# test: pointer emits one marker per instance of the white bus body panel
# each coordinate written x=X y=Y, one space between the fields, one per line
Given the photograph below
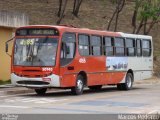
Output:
x=55 y=81
x=142 y=67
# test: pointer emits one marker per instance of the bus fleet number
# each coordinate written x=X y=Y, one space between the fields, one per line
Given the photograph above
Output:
x=47 y=69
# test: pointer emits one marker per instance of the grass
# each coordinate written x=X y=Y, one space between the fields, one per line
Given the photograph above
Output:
x=3 y=82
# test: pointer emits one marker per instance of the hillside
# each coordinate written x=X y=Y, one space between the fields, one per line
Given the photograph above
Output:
x=93 y=14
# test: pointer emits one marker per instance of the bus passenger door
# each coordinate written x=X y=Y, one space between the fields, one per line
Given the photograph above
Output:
x=67 y=68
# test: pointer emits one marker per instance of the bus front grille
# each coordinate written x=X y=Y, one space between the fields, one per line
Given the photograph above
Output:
x=36 y=75
x=32 y=83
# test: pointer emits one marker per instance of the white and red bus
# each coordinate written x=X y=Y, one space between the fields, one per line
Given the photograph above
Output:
x=71 y=58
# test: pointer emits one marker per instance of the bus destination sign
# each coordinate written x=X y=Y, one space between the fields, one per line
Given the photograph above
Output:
x=38 y=32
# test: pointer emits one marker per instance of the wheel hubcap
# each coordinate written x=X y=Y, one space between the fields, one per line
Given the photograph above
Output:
x=129 y=82
x=79 y=85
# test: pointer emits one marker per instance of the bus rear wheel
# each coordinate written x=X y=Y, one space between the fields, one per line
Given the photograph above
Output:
x=128 y=83
x=41 y=91
x=96 y=87
x=78 y=89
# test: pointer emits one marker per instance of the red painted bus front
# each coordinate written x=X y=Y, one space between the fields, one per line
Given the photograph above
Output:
x=32 y=65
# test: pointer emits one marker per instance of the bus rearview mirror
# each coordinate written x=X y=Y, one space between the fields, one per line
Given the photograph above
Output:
x=6 y=47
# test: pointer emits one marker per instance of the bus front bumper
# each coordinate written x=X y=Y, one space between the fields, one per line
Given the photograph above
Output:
x=45 y=82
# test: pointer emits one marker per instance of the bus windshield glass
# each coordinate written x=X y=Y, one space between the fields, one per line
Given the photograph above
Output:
x=35 y=51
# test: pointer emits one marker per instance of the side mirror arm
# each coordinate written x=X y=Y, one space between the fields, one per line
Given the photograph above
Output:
x=7 y=45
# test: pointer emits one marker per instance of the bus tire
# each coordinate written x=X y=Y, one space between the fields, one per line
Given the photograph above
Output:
x=128 y=83
x=41 y=91
x=78 y=89
x=95 y=88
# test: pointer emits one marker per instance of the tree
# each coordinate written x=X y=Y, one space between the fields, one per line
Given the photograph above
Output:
x=134 y=17
x=62 y=8
x=76 y=7
x=146 y=14
x=119 y=6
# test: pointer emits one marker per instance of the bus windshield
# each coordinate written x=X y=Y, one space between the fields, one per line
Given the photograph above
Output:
x=35 y=51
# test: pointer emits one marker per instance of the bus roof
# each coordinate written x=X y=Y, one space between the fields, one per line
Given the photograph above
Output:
x=127 y=35
x=75 y=29
x=71 y=28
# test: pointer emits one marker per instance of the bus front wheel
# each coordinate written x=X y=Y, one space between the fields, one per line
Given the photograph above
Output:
x=41 y=91
x=128 y=83
x=78 y=89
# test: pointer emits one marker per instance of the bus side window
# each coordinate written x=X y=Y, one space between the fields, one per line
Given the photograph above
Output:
x=83 y=45
x=139 y=48
x=146 y=48
x=130 y=46
x=67 y=48
x=119 y=46
x=96 y=46
x=108 y=46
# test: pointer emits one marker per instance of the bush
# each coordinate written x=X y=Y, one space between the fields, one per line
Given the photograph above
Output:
x=2 y=82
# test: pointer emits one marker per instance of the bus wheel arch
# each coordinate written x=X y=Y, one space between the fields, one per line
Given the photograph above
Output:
x=129 y=79
x=84 y=74
x=81 y=81
x=131 y=71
